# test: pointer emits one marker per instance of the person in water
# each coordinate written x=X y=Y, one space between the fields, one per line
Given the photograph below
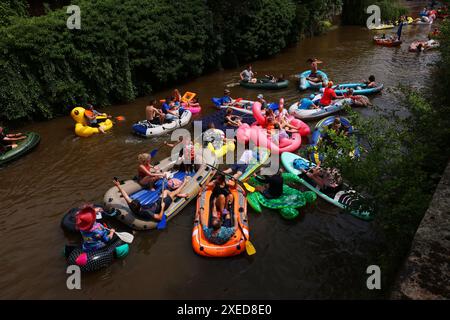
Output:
x=95 y=236
x=357 y=100
x=371 y=82
x=221 y=195
x=307 y=103
x=8 y=141
x=153 y=114
x=94 y=117
x=148 y=174
x=273 y=185
x=156 y=210
x=329 y=95
x=238 y=169
x=248 y=75
x=232 y=120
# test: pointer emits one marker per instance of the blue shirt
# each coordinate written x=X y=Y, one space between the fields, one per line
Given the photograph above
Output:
x=220 y=237
x=305 y=104
x=96 y=238
x=226 y=99
x=165 y=107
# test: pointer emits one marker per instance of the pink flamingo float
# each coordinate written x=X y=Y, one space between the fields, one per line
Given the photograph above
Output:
x=259 y=135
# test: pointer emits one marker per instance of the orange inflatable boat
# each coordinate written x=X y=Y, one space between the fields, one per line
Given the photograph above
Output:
x=236 y=244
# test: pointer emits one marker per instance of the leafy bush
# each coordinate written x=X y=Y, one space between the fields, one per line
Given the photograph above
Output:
x=354 y=11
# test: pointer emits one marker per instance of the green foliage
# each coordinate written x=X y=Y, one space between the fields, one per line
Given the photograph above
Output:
x=9 y=9
x=310 y=15
x=354 y=11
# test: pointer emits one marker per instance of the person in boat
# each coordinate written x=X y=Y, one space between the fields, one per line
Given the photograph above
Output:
x=94 y=117
x=273 y=185
x=270 y=119
x=148 y=174
x=248 y=75
x=170 y=110
x=156 y=210
x=8 y=141
x=238 y=169
x=329 y=95
x=307 y=103
x=226 y=99
x=186 y=155
x=221 y=195
x=232 y=120
x=325 y=179
x=371 y=83
x=154 y=115
x=278 y=133
x=221 y=229
x=215 y=136
x=314 y=77
x=281 y=117
x=338 y=129
x=194 y=103
x=176 y=97
x=357 y=100
x=264 y=104
x=95 y=236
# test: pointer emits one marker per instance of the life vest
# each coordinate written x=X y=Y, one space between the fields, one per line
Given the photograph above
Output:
x=88 y=113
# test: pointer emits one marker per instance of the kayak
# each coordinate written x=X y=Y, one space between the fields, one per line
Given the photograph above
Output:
x=264 y=84
x=358 y=89
x=260 y=157
x=97 y=259
x=387 y=42
x=287 y=204
x=147 y=129
x=236 y=244
x=114 y=200
x=318 y=134
x=381 y=26
x=82 y=129
x=23 y=146
x=305 y=84
x=313 y=114
x=341 y=199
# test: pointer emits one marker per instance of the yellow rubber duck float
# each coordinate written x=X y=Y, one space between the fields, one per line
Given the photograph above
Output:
x=81 y=127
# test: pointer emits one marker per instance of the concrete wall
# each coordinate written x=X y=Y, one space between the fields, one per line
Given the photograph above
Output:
x=426 y=273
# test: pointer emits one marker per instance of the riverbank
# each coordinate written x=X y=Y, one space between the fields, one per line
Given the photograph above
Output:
x=426 y=273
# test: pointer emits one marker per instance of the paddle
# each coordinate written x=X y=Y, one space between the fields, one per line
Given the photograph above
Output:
x=245 y=185
x=120 y=118
x=163 y=223
x=249 y=247
x=124 y=236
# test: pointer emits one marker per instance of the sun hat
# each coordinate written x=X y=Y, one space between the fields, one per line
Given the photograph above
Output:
x=260 y=96
x=85 y=218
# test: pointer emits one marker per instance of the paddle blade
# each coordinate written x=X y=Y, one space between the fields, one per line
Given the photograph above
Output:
x=153 y=153
x=250 y=248
x=162 y=224
x=249 y=188
x=125 y=237
x=120 y=118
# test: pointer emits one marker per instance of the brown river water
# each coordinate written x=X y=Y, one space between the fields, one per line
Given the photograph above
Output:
x=323 y=254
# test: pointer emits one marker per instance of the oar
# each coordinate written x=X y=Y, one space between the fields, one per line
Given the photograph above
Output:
x=249 y=247
x=120 y=118
x=245 y=185
x=163 y=223
x=124 y=236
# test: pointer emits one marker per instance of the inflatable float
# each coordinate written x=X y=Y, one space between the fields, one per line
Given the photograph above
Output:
x=260 y=157
x=23 y=147
x=342 y=198
x=68 y=222
x=81 y=127
x=358 y=89
x=408 y=21
x=426 y=45
x=318 y=134
x=186 y=99
x=388 y=42
x=147 y=129
x=114 y=200
x=265 y=84
x=236 y=244
x=95 y=260
x=305 y=84
x=242 y=106
x=313 y=114
x=381 y=26
x=259 y=135
x=288 y=203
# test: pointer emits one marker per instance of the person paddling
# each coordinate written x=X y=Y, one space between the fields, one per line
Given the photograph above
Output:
x=95 y=236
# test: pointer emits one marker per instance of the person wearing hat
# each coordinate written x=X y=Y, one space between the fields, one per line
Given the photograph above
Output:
x=307 y=103
x=92 y=117
x=95 y=236
x=263 y=102
x=329 y=95
x=7 y=141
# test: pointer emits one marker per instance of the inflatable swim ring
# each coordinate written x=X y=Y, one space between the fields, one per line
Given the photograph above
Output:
x=305 y=84
x=358 y=89
x=81 y=127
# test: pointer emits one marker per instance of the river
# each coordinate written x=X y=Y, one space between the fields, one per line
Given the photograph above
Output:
x=323 y=254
